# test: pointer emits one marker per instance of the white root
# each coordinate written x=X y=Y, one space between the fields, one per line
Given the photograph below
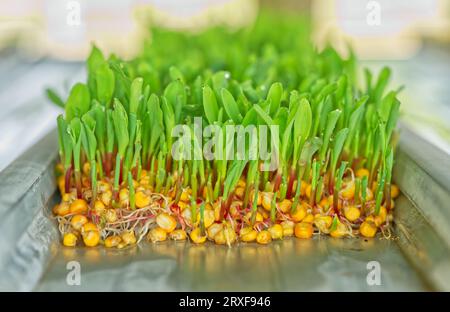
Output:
x=138 y=221
x=386 y=232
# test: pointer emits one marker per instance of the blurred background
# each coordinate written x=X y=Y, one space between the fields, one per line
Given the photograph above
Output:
x=43 y=44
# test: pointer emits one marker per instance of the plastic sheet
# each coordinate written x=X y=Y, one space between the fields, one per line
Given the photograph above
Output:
x=320 y=264
x=28 y=237
x=32 y=258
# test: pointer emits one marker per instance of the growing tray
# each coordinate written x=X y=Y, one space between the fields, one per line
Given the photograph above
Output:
x=416 y=258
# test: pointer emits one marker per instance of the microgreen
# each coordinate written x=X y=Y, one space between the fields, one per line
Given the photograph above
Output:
x=121 y=120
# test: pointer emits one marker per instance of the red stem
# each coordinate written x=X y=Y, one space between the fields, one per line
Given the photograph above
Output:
x=225 y=206
x=148 y=166
x=387 y=196
x=67 y=180
x=78 y=184
x=331 y=183
x=121 y=171
x=336 y=204
x=169 y=163
x=277 y=183
x=290 y=183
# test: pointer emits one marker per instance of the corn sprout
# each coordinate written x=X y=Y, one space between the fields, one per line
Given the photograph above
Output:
x=333 y=155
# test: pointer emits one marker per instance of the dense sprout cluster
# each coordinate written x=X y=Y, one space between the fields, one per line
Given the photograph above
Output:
x=120 y=182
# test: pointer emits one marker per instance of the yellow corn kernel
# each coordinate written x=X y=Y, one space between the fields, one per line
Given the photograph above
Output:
x=248 y=234
x=208 y=206
x=300 y=213
x=352 y=213
x=112 y=241
x=70 y=239
x=267 y=200
x=128 y=237
x=106 y=197
x=78 y=206
x=303 y=230
x=308 y=189
x=229 y=234
x=383 y=213
x=178 y=235
x=340 y=231
x=323 y=223
x=185 y=195
x=258 y=199
x=368 y=229
x=219 y=238
x=276 y=231
x=85 y=181
x=241 y=183
x=258 y=218
x=263 y=237
x=103 y=186
x=197 y=237
x=309 y=218
x=303 y=187
x=288 y=228
x=135 y=184
x=89 y=227
x=183 y=205
x=142 y=200
x=99 y=207
x=141 y=188
x=208 y=218
x=217 y=208
x=239 y=192
x=63 y=209
x=55 y=209
x=213 y=230
x=265 y=214
x=61 y=184
x=86 y=168
x=394 y=191
x=187 y=214
x=204 y=192
x=157 y=235
x=91 y=238
x=324 y=202
x=78 y=221
x=285 y=205
x=349 y=190
x=234 y=211
x=111 y=215
x=166 y=222
x=124 y=197
x=121 y=245
x=67 y=197
x=381 y=217
x=59 y=169
x=144 y=181
x=330 y=200
x=362 y=172
x=374 y=186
